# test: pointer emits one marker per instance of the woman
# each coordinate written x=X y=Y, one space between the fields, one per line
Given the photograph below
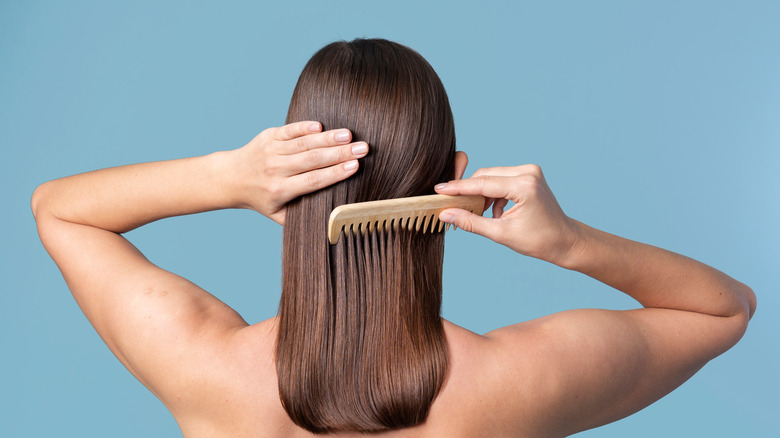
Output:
x=358 y=344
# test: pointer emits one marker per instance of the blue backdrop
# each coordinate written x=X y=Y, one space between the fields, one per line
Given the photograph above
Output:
x=657 y=121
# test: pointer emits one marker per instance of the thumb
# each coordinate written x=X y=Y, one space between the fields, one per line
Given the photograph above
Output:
x=468 y=221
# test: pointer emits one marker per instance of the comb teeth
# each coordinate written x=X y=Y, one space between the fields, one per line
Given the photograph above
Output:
x=420 y=213
x=424 y=224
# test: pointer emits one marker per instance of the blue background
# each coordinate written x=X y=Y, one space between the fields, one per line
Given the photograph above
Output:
x=657 y=121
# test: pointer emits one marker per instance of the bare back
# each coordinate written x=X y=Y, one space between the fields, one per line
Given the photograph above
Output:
x=242 y=384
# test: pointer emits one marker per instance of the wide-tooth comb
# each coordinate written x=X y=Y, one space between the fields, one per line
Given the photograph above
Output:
x=420 y=213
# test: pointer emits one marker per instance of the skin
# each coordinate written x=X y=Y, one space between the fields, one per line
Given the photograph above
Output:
x=549 y=377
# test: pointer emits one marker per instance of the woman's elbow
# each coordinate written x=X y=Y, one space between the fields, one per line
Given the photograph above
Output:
x=750 y=296
x=743 y=317
x=37 y=200
x=40 y=201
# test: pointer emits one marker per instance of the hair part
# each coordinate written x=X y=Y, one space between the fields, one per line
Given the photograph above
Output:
x=361 y=346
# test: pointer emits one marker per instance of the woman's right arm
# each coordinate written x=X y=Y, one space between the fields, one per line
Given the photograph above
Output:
x=604 y=365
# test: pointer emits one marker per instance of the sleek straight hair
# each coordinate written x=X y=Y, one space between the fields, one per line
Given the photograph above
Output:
x=361 y=345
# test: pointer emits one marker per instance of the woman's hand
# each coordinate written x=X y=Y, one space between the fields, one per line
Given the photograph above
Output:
x=283 y=163
x=535 y=226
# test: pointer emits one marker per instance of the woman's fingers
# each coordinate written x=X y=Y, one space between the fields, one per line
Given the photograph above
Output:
x=324 y=157
x=470 y=222
x=304 y=136
x=301 y=147
x=498 y=207
x=314 y=180
x=488 y=186
x=496 y=184
x=295 y=130
x=494 y=189
x=314 y=141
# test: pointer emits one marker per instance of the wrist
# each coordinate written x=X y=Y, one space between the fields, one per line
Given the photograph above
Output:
x=576 y=249
x=229 y=175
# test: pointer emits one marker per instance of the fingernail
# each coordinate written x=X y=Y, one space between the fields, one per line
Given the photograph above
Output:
x=342 y=136
x=440 y=186
x=314 y=127
x=447 y=217
x=359 y=149
x=350 y=165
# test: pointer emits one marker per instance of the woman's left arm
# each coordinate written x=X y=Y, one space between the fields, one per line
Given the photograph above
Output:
x=152 y=320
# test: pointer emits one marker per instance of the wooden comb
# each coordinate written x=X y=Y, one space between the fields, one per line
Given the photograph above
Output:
x=414 y=213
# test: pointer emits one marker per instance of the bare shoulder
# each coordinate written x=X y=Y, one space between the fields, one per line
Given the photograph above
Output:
x=236 y=391
x=534 y=377
x=490 y=391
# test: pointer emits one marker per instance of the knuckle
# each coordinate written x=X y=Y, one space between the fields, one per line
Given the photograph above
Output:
x=271 y=167
x=301 y=145
x=312 y=179
x=313 y=159
x=345 y=153
x=467 y=225
x=266 y=134
x=275 y=189
x=292 y=130
x=534 y=169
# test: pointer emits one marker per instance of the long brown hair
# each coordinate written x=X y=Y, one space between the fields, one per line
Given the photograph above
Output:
x=361 y=345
